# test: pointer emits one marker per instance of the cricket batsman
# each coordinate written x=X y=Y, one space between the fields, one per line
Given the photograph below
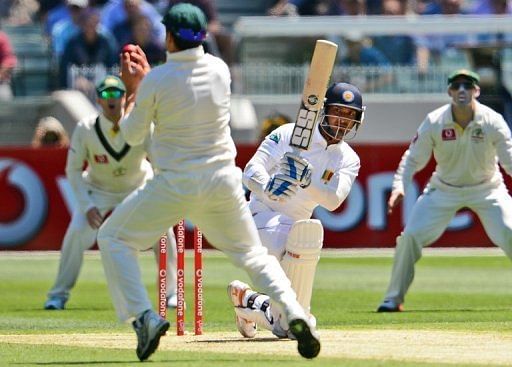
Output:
x=285 y=189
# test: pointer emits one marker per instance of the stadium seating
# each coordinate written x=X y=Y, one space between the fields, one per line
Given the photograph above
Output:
x=34 y=74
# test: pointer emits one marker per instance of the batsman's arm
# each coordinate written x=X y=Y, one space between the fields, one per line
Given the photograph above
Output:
x=77 y=155
x=332 y=194
x=263 y=164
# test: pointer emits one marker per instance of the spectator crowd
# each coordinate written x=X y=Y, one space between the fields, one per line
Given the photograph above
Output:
x=86 y=36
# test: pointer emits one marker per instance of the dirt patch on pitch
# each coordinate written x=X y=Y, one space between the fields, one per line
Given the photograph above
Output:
x=398 y=345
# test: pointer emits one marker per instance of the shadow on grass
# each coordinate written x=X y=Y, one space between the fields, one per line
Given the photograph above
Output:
x=242 y=340
x=437 y=310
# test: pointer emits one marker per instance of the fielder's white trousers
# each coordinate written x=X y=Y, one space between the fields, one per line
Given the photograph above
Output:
x=80 y=236
x=430 y=217
x=213 y=199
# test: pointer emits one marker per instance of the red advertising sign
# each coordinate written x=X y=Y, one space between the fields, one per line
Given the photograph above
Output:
x=35 y=202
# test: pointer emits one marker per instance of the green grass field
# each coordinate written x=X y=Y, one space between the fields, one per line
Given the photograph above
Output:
x=458 y=312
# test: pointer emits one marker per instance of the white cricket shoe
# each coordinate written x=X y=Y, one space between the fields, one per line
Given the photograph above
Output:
x=149 y=327
x=236 y=293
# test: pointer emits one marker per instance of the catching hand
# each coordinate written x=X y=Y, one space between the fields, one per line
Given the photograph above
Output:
x=296 y=168
x=134 y=66
x=281 y=187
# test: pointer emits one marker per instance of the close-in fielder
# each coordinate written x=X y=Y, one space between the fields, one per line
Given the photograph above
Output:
x=468 y=140
x=188 y=100
x=114 y=169
x=286 y=188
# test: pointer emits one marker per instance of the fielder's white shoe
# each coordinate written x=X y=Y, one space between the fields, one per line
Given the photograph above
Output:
x=236 y=293
x=55 y=304
x=149 y=327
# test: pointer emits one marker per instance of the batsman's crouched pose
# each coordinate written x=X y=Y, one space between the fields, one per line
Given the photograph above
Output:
x=285 y=189
x=468 y=140
x=114 y=169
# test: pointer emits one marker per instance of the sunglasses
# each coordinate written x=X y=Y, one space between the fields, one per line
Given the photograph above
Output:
x=110 y=94
x=465 y=85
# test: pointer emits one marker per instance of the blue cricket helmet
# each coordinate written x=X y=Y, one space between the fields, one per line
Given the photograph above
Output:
x=344 y=94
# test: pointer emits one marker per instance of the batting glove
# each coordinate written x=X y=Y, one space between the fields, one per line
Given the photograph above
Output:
x=296 y=168
x=281 y=187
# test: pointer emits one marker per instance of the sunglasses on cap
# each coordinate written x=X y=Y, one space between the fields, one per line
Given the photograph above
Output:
x=465 y=85
x=110 y=94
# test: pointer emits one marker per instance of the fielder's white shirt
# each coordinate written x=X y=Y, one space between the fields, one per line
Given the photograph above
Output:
x=335 y=167
x=113 y=166
x=465 y=157
x=188 y=100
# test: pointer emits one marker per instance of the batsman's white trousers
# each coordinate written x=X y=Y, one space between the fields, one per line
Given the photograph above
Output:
x=213 y=199
x=430 y=217
x=80 y=236
x=273 y=229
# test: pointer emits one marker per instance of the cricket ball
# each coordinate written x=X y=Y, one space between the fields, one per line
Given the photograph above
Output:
x=129 y=48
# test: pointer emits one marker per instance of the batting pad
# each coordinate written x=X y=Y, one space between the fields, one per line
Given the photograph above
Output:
x=299 y=262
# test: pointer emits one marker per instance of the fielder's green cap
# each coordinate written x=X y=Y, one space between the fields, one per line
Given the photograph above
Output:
x=471 y=75
x=110 y=81
x=187 y=22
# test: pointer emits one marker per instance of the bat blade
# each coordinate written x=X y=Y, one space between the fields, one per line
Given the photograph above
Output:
x=313 y=94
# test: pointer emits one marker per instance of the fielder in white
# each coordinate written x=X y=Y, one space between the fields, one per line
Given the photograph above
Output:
x=114 y=169
x=188 y=100
x=468 y=140
x=285 y=189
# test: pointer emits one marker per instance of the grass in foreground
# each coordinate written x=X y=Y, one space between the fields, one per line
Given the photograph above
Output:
x=454 y=293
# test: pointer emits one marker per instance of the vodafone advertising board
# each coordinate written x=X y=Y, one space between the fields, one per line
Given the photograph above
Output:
x=36 y=202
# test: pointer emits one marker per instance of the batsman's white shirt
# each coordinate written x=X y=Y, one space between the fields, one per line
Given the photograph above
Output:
x=335 y=167
x=188 y=100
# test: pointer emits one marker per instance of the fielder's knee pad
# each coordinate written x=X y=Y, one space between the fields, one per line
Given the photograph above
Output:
x=299 y=262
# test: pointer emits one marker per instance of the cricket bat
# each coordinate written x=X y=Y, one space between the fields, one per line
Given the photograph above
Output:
x=313 y=94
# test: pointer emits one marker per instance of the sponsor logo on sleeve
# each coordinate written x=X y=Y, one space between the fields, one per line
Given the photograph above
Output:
x=327 y=175
x=274 y=137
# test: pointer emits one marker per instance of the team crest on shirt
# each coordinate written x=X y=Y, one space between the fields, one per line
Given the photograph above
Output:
x=101 y=158
x=477 y=135
x=274 y=137
x=119 y=171
x=448 y=134
x=327 y=175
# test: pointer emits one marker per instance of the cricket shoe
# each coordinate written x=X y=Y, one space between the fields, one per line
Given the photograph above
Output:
x=236 y=293
x=149 y=327
x=306 y=336
x=389 y=305
x=55 y=304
